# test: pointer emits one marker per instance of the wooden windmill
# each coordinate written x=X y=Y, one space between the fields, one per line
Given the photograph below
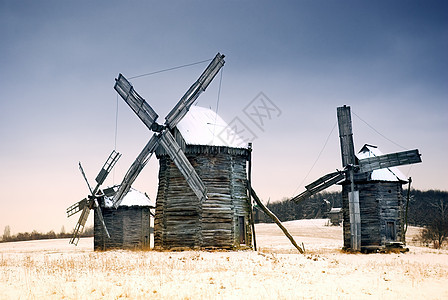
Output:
x=211 y=211
x=361 y=205
x=91 y=202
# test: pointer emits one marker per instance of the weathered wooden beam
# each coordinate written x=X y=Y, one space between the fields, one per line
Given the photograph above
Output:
x=275 y=219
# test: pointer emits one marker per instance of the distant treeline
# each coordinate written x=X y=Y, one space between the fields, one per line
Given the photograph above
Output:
x=315 y=207
x=35 y=235
x=424 y=206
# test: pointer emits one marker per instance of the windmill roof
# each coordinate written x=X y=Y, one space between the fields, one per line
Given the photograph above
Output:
x=132 y=198
x=202 y=126
x=386 y=174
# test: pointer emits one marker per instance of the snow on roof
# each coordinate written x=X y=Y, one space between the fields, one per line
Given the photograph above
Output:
x=386 y=174
x=202 y=126
x=132 y=198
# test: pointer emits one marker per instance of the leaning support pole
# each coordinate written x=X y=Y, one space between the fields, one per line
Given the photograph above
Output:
x=249 y=183
x=276 y=220
x=405 y=229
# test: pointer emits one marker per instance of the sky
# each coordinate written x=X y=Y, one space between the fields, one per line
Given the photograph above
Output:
x=387 y=60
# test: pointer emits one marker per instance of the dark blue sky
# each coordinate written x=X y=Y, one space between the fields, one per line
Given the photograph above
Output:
x=58 y=61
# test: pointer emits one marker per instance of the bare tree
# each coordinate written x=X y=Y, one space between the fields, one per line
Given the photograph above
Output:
x=437 y=229
x=6 y=233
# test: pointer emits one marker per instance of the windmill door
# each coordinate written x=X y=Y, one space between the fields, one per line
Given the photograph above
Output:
x=242 y=229
x=390 y=231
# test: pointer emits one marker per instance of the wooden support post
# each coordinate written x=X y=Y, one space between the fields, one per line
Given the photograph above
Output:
x=276 y=220
x=405 y=226
x=355 y=216
x=249 y=183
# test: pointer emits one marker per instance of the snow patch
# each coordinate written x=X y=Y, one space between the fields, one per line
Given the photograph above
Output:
x=202 y=126
x=132 y=198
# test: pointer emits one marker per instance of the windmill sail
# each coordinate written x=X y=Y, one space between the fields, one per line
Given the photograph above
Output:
x=320 y=185
x=389 y=160
x=76 y=207
x=80 y=225
x=346 y=136
x=85 y=178
x=108 y=165
x=141 y=108
x=182 y=107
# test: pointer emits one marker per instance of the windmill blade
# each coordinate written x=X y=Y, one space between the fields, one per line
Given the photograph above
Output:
x=135 y=169
x=346 y=136
x=326 y=180
x=184 y=104
x=320 y=185
x=100 y=218
x=136 y=102
x=107 y=167
x=180 y=160
x=80 y=225
x=85 y=178
x=389 y=160
x=105 y=170
x=76 y=207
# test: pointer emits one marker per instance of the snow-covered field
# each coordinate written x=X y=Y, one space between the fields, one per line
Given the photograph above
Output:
x=55 y=269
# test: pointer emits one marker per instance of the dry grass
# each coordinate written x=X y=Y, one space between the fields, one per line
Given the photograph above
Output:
x=54 y=269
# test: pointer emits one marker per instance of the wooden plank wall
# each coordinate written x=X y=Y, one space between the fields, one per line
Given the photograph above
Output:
x=129 y=228
x=177 y=221
x=182 y=221
x=380 y=202
x=391 y=209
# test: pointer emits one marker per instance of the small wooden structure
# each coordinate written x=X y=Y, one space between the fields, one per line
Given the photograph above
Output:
x=381 y=204
x=335 y=216
x=221 y=221
x=128 y=225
